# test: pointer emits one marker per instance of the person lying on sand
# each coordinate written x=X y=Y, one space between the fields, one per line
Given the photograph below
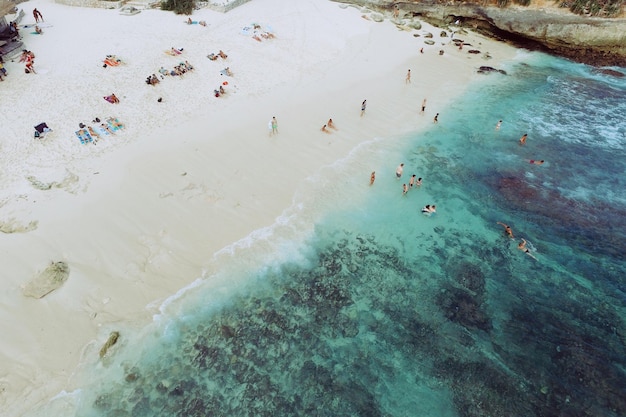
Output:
x=222 y=54
x=115 y=123
x=226 y=71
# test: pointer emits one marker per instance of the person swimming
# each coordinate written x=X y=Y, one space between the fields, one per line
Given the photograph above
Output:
x=523 y=248
x=429 y=209
x=507 y=229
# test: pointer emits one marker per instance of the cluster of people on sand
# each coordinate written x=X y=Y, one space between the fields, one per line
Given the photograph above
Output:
x=175 y=51
x=191 y=22
x=152 y=79
x=220 y=91
x=329 y=126
x=111 y=61
x=97 y=129
x=28 y=58
x=178 y=71
x=14 y=30
x=214 y=56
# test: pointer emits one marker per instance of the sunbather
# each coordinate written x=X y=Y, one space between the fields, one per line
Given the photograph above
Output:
x=222 y=54
x=226 y=71
x=115 y=123
x=93 y=132
x=212 y=56
x=106 y=128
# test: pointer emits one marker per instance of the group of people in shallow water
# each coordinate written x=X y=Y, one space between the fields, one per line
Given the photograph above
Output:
x=523 y=244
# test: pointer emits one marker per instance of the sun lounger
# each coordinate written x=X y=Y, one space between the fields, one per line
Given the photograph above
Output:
x=84 y=136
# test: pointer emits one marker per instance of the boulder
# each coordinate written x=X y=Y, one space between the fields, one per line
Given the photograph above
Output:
x=110 y=342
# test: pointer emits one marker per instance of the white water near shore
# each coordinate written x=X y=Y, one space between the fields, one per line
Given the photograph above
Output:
x=138 y=216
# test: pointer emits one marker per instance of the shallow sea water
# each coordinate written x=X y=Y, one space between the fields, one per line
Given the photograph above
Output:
x=356 y=304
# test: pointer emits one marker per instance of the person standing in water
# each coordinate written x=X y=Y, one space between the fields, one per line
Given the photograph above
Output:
x=522 y=140
x=399 y=171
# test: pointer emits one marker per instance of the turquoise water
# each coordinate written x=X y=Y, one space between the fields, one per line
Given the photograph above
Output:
x=356 y=304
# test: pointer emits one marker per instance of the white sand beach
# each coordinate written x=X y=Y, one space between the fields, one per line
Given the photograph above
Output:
x=139 y=214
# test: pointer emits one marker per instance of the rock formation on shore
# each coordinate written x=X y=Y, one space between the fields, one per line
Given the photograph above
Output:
x=591 y=40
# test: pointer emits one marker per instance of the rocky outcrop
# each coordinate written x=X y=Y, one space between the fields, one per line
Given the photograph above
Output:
x=47 y=281
x=594 y=41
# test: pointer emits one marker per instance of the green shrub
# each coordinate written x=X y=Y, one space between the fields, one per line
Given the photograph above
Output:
x=178 y=6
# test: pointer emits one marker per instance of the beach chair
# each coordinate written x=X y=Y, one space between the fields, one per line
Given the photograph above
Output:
x=84 y=136
x=41 y=130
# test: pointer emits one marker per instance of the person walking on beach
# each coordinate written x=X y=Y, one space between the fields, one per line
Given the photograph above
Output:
x=408 y=77
x=274 y=125
x=507 y=229
x=399 y=171
x=522 y=140
x=523 y=248
x=323 y=129
x=37 y=15
x=372 y=177
x=331 y=124
x=436 y=119
x=423 y=106
x=363 y=106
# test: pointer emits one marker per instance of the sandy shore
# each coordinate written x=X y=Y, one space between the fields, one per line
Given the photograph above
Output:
x=139 y=215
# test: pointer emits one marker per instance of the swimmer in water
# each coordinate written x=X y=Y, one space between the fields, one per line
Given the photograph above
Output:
x=533 y=161
x=507 y=229
x=428 y=209
x=522 y=247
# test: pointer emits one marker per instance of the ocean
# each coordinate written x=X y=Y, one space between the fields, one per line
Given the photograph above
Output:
x=355 y=303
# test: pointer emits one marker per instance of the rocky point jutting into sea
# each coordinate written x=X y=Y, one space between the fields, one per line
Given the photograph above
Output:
x=598 y=41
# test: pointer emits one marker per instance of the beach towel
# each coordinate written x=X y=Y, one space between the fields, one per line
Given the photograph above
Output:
x=84 y=136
